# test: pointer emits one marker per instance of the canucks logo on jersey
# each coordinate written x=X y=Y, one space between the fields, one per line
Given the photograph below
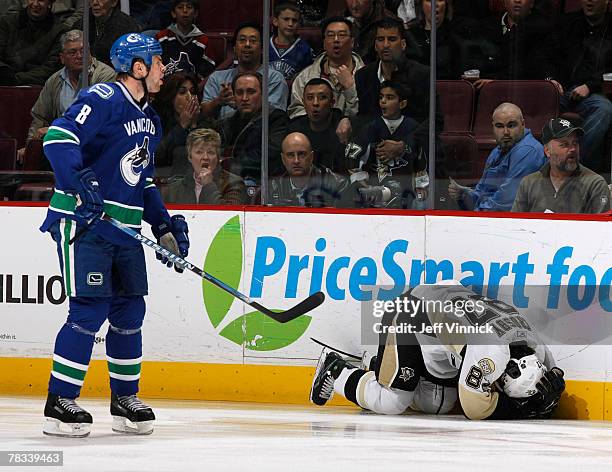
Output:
x=134 y=162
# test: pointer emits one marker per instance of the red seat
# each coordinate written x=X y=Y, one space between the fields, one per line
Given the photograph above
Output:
x=215 y=15
x=8 y=153
x=312 y=35
x=457 y=102
x=218 y=45
x=17 y=103
x=538 y=99
x=461 y=159
x=572 y=6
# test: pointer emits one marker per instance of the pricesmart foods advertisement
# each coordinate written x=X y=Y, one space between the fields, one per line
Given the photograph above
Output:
x=278 y=259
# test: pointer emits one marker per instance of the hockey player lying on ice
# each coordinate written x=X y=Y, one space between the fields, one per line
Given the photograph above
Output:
x=505 y=374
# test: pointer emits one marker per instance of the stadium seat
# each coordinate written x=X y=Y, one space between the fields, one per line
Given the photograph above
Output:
x=461 y=158
x=215 y=15
x=312 y=35
x=19 y=100
x=457 y=102
x=538 y=99
x=218 y=44
x=8 y=153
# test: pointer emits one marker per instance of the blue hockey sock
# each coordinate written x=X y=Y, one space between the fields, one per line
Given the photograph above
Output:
x=71 y=356
x=124 y=355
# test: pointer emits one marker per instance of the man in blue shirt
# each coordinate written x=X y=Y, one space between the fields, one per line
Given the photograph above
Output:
x=218 y=101
x=516 y=155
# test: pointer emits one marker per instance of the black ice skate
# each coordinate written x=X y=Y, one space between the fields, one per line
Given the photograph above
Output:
x=63 y=417
x=130 y=415
x=329 y=368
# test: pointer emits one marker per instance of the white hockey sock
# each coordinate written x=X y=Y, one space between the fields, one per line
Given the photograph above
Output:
x=340 y=382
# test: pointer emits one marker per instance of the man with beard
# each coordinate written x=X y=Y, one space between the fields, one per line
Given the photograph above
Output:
x=516 y=155
x=562 y=185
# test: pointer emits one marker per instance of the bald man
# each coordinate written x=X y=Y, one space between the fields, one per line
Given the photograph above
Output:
x=516 y=155
x=304 y=183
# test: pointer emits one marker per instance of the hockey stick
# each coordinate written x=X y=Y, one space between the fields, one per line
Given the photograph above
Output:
x=334 y=349
x=301 y=308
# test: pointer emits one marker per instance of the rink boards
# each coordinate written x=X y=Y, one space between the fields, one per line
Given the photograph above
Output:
x=201 y=344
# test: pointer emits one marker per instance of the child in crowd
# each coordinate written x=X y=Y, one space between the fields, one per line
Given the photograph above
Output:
x=183 y=43
x=289 y=53
x=387 y=163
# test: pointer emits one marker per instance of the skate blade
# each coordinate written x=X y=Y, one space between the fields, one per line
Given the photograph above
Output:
x=125 y=426
x=53 y=427
x=320 y=364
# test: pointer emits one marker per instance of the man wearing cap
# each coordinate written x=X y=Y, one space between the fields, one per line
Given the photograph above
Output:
x=562 y=185
x=516 y=155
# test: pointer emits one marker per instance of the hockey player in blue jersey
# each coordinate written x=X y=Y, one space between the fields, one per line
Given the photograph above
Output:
x=102 y=152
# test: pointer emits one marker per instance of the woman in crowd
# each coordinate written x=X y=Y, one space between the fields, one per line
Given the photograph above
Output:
x=178 y=107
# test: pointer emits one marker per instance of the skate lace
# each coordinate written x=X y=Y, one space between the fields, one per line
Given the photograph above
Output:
x=327 y=389
x=131 y=402
x=70 y=405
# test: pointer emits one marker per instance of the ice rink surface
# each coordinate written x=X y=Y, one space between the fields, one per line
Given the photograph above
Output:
x=218 y=436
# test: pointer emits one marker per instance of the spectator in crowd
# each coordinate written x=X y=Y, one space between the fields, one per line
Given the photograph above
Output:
x=562 y=185
x=151 y=16
x=518 y=44
x=390 y=45
x=218 y=100
x=183 y=43
x=385 y=176
x=404 y=9
x=586 y=43
x=337 y=64
x=9 y=6
x=178 y=107
x=70 y=11
x=419 y=39
x=516 y=155
x=241 y=132
x=208 y=183
x=107 y=22
x=304 y=183
x=364 y=14
x=289 y=53
x=29 y=44
x=320 y=123
x=62 y=88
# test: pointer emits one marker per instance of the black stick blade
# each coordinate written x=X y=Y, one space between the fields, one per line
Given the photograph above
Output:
x=301 y=308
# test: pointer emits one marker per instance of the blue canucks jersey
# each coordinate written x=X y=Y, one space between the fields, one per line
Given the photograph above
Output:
x=106 y=130
x=292 y=60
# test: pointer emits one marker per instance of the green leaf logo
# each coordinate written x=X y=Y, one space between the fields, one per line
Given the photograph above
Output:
x=255 y=331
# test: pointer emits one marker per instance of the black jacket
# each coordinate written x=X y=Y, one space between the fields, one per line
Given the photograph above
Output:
x=328 y=149
x=587 y=51
x=419 y=49
x=528 y=51
x=415 y=77
x=241 y=140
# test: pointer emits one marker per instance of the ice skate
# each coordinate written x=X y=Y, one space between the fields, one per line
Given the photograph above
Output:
x=63 y=417
x=329 y=368
x=130 y=415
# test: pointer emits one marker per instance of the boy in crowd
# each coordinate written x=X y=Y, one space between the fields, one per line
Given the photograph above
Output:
x=387 y=176
x=289 y=53
x=183 y=43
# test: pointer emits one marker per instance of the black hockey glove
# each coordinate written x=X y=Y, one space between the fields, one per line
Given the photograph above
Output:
x=550 y=387
x=90 y=204
x=173 y=235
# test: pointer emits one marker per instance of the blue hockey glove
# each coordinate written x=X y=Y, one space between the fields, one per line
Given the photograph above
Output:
x=173 y=235
x=90 y=204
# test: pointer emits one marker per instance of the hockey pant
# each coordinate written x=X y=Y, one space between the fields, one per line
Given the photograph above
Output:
x=103 y=281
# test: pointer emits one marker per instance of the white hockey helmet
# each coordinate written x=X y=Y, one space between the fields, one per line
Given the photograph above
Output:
x=521 y=376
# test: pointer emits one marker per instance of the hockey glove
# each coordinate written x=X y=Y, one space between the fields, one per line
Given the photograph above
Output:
x=173 y=235
x=550 y=387
x=90 y=204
